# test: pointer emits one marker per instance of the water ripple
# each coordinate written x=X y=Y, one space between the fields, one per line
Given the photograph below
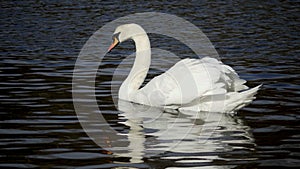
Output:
x=40 y=41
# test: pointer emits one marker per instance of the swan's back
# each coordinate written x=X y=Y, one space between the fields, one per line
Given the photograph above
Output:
x=191 y=84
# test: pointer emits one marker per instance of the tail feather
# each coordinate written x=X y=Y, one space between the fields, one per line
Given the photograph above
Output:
x=228 y=103
x=239 y=100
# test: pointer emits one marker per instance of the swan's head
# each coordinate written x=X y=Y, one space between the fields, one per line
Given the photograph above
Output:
x=125 y=32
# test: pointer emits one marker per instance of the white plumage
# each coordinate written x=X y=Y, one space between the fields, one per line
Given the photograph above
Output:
x=190 y=85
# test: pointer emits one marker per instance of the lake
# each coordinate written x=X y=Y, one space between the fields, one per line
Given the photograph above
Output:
x=41 y=41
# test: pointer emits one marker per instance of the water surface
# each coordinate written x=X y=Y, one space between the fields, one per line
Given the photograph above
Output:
x=40 y=42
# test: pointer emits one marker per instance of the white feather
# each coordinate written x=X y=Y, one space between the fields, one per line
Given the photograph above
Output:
x=190 y=85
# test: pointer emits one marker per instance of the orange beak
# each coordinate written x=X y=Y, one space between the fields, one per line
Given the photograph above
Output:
x=114 y=44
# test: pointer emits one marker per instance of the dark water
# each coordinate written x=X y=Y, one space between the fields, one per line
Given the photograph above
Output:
x=40 y=42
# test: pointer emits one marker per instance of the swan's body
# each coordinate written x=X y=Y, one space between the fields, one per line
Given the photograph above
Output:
x=191 y=84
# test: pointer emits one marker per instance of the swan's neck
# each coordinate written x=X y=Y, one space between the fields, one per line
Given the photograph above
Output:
x=140 y=67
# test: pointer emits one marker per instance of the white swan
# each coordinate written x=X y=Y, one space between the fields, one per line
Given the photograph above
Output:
x=191 y=84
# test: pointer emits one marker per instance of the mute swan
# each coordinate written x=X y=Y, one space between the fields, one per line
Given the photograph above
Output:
x=190 y=85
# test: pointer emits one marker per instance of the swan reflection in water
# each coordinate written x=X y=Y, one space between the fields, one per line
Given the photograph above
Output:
x=199 y=136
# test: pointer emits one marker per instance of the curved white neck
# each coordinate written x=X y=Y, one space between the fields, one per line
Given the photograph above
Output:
x=140 y=67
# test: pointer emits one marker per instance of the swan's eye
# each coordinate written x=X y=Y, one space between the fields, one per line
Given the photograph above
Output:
x=116 y=35
x=116 y=41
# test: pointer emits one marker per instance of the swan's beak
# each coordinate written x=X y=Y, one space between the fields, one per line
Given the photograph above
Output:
x=114 y=44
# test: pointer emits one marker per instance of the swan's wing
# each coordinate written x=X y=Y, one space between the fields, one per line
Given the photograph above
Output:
x=189 y=79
